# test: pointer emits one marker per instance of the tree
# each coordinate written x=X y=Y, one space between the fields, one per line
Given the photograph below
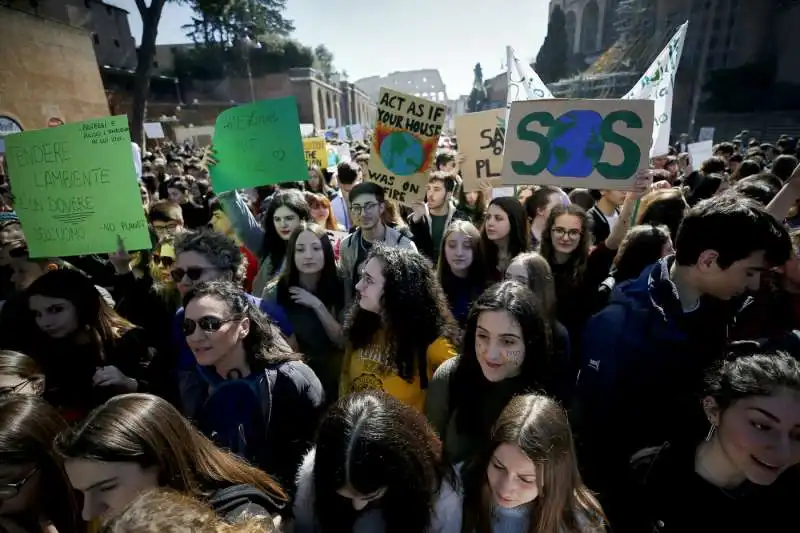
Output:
x=553 y=58
x=324 y=61
x=223 y=22
x=151 y=15
x=477 y=97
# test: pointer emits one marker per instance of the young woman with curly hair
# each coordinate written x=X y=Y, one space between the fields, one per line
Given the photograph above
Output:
x=399 y=329
x=377 y=467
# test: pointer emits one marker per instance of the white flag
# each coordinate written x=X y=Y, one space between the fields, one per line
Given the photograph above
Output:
x=523 y=84
x=658 y=84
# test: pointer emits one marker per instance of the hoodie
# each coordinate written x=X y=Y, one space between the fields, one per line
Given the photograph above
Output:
x=232 y=503
x=446 y=519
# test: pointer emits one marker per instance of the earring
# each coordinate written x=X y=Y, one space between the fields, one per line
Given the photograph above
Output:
x=711 y=431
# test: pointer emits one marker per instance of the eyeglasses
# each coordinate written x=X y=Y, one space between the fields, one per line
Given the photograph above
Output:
x=358 y=209
x=11 y=490
x=193 y=273
x=16 y=388
x=570 y=233
x=208 y=324
x=164 y=261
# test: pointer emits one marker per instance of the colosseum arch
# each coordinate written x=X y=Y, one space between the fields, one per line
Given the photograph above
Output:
x=590 y=28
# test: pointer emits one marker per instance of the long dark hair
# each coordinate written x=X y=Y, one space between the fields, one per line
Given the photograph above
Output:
x=95 y=316
x=476 y=274
x=261 y=346
x=28 y=426
x=576 y=264
x=469 y=389
x=415 y=312
x=369 y=441
x=519 y=239
x=330 y=288
x=149 y=431
x=274 y=246
x=539 y=427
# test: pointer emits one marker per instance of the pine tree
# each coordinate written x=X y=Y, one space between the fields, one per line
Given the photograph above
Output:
x=553 y=58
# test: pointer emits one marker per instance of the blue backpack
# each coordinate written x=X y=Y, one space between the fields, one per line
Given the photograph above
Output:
x=236 y=415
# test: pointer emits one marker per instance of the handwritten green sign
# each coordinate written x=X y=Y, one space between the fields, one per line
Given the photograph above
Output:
x=75 y=188
x=258 y=144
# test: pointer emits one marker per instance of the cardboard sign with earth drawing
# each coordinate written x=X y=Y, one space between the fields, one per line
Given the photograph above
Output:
x=404 y=144
x=593 y=144
x=481 y=137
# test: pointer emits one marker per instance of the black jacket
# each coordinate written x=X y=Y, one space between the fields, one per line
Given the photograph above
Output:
x=663 y=494
x=600 y=228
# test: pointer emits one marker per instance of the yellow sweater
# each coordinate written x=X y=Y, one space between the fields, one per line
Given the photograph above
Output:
x=363 y=370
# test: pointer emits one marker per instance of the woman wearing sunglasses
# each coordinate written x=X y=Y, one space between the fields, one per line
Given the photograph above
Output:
x=248 y=393
x=35 y=493
x=207 y=255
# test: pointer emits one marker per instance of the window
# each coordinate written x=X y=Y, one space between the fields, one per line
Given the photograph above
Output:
x=95 y=38
x=155 y=64
x=116 y=43
x=87 y=3
x=109 y=11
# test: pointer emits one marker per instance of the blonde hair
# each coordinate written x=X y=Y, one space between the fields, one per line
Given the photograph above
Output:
x=160 y=511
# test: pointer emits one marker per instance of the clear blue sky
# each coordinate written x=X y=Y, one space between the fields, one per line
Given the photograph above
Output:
x=376 y=37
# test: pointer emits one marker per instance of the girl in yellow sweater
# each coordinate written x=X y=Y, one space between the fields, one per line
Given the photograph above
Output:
x=399 y=329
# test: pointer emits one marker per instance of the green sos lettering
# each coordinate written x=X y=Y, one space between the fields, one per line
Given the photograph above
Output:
x=575 y=142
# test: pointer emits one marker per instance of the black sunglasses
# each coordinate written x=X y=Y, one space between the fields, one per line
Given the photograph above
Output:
x=11 y=490
x=164 y=261
x=208 y=324
x=194 y=273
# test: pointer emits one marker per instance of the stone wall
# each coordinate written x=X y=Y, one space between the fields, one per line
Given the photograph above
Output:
x=47 y=69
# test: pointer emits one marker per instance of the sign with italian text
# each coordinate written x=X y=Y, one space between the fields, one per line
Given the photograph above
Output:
x=404 y=144
x=258 y=144
x=75 y=188
x=481 y=137
x=594 y=144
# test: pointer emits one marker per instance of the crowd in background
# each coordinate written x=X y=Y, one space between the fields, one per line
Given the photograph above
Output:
x=314 y=357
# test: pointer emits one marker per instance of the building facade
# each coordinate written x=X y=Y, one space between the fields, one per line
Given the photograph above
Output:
x=48 y=71
x=110 y=33
x=426 y=83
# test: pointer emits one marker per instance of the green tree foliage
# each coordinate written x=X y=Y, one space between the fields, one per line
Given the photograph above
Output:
x=223 y=22
x=552 y=63
x=323 y=61
x=277 y=54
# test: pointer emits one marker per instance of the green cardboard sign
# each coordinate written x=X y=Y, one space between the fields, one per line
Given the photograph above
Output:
x=258 y=144
x=75 y=188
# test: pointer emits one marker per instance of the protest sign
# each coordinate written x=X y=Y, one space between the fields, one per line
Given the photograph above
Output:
x=699 y=152
x=258 y=144
x=596 y=144
x=75 y=190
x=404 y=144
x=706 y=134
x=315 y=152
x=481 y=137
x=153 y=130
